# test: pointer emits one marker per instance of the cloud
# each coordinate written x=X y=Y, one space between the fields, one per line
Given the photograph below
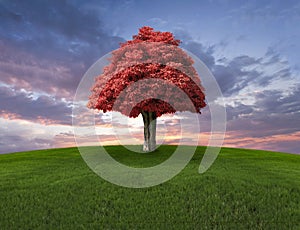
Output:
x=273 y=118
x=157 y=22
x=41 y=23
x=16 y=143
x=21 y=135
x=43 y=109
x=48 y=46
x=261 y=94
x=204 y=53
x=25 y=71
x=267 y=12
x=231 y=75
x=281 y=143
x=237 y=73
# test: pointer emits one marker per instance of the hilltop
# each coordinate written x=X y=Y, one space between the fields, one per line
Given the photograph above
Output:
x=244 y=189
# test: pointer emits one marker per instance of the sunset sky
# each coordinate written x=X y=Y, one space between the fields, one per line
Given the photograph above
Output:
x=251 y=47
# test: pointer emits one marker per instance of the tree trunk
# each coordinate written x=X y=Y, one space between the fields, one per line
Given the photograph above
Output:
x=149 y=119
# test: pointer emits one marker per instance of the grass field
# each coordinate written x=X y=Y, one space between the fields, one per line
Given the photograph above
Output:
x=244 y=189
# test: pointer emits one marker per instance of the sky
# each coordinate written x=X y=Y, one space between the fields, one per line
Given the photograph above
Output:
x=251 y=48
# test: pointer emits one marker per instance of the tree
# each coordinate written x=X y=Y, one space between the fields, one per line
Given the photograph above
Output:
x=149 y=55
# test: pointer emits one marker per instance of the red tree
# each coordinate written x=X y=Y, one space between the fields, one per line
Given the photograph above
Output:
x=150 y=55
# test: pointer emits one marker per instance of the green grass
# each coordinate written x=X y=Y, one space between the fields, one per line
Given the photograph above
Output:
x=244 y=189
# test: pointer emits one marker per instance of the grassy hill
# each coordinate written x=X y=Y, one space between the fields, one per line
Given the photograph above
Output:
x=244 y=189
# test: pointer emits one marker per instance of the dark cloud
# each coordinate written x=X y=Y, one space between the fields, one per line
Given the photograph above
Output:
x=39 y=38
x=22 y=142
x=204 y=53
x=239 y=110
x=289 y=146
x=23 y=70
x=232 y=78
x=43 y=109
x=273 y=113
x=242 y=71
x=53 y=24
x=233 y=75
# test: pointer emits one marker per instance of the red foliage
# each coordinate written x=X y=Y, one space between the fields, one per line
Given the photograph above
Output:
x=150 y=55
x=147 y=34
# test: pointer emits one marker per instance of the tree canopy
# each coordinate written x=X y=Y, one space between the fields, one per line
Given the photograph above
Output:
x=149 y=55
